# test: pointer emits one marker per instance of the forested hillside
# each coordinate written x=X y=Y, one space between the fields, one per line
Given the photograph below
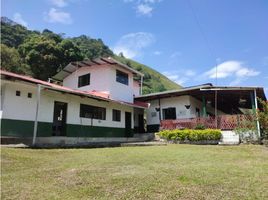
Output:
x=42 y=54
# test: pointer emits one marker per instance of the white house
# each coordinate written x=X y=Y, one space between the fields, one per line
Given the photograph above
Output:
x=95 y=100
x=184 y=106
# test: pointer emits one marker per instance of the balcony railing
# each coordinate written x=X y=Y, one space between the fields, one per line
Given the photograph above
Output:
x=223 y=122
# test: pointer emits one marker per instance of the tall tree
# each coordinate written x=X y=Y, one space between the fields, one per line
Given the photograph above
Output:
x=45 y=55
x=12 y=34
x=91 y=48
x=42 y=55
x=11 y=61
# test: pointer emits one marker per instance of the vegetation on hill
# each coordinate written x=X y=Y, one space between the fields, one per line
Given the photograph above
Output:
x=42 y=54
x=153 y=80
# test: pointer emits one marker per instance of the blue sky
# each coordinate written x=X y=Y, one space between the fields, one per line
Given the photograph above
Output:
x=183 y=39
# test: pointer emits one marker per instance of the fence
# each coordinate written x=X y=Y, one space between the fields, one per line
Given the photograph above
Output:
x=223 y=122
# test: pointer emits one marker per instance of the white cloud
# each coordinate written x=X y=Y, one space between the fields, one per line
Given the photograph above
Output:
x=180 y=77
x=56 y=16
x=59 y=3
x=157 y=53
x=18 y=18
x=232 y=69
x=144 y=9
x=132 y=44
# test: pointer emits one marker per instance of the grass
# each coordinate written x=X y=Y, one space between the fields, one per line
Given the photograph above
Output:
x=160 y=172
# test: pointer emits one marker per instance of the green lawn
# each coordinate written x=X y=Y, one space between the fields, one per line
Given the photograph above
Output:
x=160 y=172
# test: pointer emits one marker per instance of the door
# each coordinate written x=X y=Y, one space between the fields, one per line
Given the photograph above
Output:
x=59 y=119
x=128 y=131
x=141 y=123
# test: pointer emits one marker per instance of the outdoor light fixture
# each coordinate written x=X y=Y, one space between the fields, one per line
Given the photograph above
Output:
x=157 y=109
x=187 y=106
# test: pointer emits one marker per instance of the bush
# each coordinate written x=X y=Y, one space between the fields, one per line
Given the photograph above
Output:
x=263 y=118
x=191 y=135
x=200 y=127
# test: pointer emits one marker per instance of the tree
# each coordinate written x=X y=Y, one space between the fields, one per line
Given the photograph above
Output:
x=42 y=54
x=70 y=52
x=12 y=34
x=45 y=55
x=11 y=61
x=91 y=48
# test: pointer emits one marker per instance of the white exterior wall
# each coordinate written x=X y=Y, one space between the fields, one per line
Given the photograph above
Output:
x=136 y=88
x=103 y=78
x=179 y=103
x=17 y=107
x=99 y=78
x=24 y=108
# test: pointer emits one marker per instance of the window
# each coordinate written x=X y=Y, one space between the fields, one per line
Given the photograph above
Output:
x=30 y=95
x=121 y=77
x=18 y=93
x=169 y=113
x=83 y=80
x=116 y=115
x=93 y=112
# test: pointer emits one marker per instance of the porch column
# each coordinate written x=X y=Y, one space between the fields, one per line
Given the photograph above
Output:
x=254 y=105
x=204 y=108
x=36 y=113
x=159 y=105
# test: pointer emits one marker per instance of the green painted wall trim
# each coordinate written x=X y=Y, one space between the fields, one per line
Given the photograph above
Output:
x=94 y=131
x=152 y=128
x=23 y=128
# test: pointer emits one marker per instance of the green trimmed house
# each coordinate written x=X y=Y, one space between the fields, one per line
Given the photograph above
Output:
x=88 y=101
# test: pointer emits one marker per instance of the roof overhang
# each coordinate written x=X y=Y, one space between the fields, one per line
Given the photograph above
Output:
x=73 y=66
x=58 y=88
x=229 y=99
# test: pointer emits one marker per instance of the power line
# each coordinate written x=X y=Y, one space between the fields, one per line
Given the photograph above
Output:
x=209 y=46
x=210 y=49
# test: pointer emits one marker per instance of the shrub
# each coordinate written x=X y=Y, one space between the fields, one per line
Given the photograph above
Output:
x=263 y=118
x=191 y=135
x=200 y=127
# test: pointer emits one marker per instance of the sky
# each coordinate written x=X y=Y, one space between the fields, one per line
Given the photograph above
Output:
x=186 y=40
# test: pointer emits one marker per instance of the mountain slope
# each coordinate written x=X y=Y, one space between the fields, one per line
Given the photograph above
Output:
x=153 y=80
x=42 y=54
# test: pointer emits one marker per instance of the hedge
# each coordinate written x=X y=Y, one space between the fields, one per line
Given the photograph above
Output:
x=190 y=134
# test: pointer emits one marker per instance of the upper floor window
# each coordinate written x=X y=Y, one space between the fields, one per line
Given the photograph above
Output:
x=83 y=80
x=121 y=77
